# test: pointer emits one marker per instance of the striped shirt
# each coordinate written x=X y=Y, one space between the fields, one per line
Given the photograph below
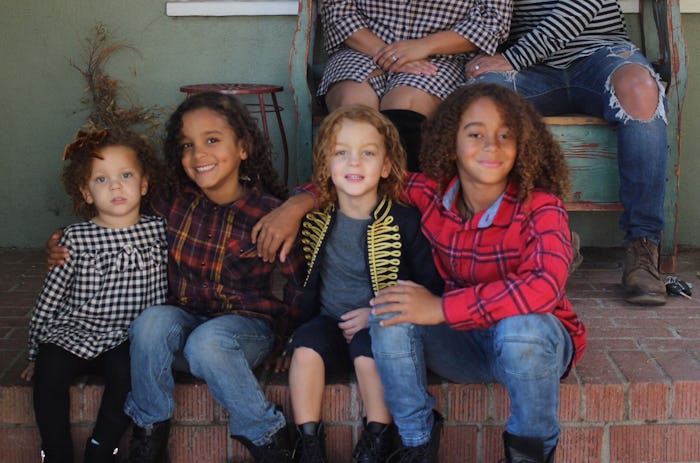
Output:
x=513 y=262
x=87 y=304
x=556 y=33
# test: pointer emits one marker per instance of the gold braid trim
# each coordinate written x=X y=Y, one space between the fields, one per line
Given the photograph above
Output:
x=383 y=247
x=314 y=228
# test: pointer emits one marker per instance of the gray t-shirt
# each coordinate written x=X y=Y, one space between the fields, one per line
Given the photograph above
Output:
x=345 y=283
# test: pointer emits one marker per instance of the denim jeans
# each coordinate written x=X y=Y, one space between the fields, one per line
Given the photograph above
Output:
x=642 y=146
x=527 y=354
x=220 y=350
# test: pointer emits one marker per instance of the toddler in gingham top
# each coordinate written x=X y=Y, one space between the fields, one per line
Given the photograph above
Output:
x=116 y=268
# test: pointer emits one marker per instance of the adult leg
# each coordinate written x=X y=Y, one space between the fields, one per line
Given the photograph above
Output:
x=111 y=421
x=408 y=107
x=632 y=98
x=528 y=354
x=55 y=370
x=348 y=92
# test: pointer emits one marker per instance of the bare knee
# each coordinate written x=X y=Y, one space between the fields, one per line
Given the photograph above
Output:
x=347 y=93
x=637 y=90
x=306 y=357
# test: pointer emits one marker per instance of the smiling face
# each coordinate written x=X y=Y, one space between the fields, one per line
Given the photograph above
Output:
x=212 y=155
x=486 y=149
x=357 y=163
x=115 y=187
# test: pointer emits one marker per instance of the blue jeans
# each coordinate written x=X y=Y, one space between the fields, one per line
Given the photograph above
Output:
x=221 y=350
x=642 y=146
x=528 y=354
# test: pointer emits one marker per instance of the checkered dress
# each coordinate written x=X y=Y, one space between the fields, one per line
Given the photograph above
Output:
x=87 y=304
x=485 y=23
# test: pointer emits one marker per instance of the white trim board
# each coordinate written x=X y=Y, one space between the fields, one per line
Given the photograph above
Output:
x=291 y=7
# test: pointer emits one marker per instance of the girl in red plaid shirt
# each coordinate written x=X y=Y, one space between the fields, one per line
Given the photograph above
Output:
x=491 y=204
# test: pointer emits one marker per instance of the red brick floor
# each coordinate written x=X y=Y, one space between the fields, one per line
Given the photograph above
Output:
x=635 y=396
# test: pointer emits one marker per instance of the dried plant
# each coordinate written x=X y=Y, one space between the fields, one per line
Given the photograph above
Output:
x=104 y=93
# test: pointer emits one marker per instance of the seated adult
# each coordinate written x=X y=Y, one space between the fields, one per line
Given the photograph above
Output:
x=574 y=56
x=404 y=60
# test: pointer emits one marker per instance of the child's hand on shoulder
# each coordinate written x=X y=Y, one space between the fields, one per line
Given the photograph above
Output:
x=28 y=373
x=354 y=321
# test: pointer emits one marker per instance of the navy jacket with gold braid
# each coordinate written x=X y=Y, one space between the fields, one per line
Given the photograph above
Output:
x=396 y=250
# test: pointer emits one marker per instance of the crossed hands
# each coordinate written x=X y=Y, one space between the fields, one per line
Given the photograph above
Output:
x=407 y=56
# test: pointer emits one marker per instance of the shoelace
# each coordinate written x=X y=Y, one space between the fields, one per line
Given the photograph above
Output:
x=409 y=454
x=645 y=256
x=368 y=442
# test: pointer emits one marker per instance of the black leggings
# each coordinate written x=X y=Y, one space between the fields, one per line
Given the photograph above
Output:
x=55 y=370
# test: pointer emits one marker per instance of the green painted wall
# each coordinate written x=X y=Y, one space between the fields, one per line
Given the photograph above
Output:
x=40 y=95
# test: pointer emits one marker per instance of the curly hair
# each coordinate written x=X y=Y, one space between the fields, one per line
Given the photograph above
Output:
x=392 y=186
x=76 y=174
x=539 y=162
x=257 y=167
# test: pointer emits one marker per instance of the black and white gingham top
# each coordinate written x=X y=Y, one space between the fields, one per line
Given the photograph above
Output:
x=485 y=23
x=557 y=32
x=112 y=274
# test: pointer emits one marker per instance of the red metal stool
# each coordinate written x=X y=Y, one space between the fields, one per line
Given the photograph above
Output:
x=261 y=107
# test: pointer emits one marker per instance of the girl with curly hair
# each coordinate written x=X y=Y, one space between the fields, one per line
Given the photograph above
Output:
x=116 y=269
x=491 y=204
x=360 y=240
x=222 y=318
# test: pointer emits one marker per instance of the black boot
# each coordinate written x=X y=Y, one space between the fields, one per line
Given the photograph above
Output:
x=57 y=455
x=409 y=124
x=426 y=453
x=526 y=450
x=375 y=444
x=275 y=451
x=310 y=446
x=150 y=445
x=96 y=453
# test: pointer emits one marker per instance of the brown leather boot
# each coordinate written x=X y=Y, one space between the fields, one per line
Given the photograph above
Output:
x=641 y=277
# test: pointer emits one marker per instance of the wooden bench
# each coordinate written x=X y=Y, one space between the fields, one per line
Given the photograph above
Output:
x=589 y=143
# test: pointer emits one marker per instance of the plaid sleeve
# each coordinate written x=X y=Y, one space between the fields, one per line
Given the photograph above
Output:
x=53 y=293
x=486 y=24
x=340 y=20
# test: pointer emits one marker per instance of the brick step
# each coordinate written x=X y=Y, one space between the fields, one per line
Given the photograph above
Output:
x=601 y=422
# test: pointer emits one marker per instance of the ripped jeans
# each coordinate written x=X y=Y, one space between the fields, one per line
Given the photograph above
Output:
x=642 y=146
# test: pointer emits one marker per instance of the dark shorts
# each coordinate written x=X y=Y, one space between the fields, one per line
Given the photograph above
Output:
x=322 y=334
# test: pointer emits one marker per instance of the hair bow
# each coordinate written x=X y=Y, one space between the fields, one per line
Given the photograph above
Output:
x=84 y=141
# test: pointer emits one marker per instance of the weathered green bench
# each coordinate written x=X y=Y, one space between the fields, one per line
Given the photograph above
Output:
x=589 y=143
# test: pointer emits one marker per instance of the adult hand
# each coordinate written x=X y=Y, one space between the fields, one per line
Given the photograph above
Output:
x=410 y=303
x=485 y=63
x=394 y=56
x=354 y=321
x=278 y=229
x=28 y=373
x=55 y=254
x=420 y=67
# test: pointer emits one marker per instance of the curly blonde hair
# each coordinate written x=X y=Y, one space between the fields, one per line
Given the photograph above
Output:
x=539 y=162
x=392 y=186
x=76 y=174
